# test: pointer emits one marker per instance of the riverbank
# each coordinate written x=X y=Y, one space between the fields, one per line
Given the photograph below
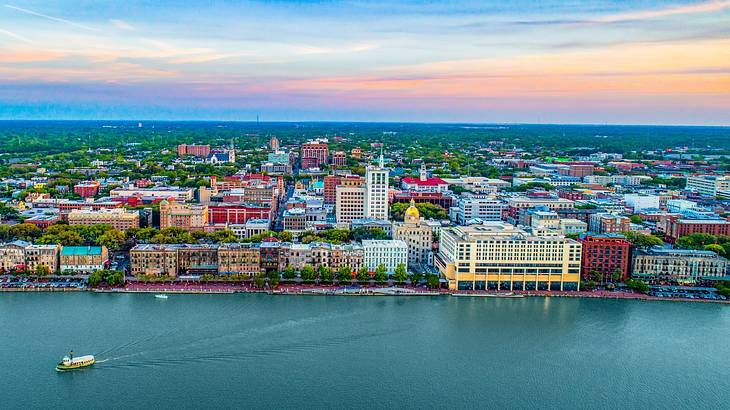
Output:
x=313 y=290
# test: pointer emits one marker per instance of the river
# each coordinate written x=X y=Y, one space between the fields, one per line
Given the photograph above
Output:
x=261 y=351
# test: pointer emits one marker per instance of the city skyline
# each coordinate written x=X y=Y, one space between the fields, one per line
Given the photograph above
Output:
x=643 y=62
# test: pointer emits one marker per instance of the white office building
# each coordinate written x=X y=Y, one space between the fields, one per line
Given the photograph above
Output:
x=390 y=253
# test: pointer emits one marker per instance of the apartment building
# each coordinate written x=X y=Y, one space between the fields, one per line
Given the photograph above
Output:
x=118 y=218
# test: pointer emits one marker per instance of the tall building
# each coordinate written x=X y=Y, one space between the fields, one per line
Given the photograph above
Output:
x=500 y=256
x=417 y=235
x=390 y=253
x=606 y=254
x=186 y=216
x=274 y=143
x=376 y=191
x=350 y=203
x=339 y=158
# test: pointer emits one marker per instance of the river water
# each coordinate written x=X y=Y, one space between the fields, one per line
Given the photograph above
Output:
x=261 y=351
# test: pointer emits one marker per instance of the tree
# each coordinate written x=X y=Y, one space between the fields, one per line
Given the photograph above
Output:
x=25 y=232
x=643 y=241
x=274 y=279
x=718 y=249
x=42 y=270
x=259 y=280
x=112 y=239
x=95 y=278
x=363 y=275
x=344 y=274
x=325 y=274
x=415 y=278
x=616 y=275
x=637 y=285
x=381 y=274
x=432 y=281
x=308 y=273
x=289 y=272
x=636 y=219
x=400 y=274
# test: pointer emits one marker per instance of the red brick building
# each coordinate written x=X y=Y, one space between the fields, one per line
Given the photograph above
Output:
x=314 y=154
x=339 y=158
x=605 y=254
x=87 y=189
x=330 y=188
x=195 y=150
x=237 y=213
x=681 y=227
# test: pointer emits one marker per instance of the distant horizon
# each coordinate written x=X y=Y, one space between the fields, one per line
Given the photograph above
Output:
x=141 y=120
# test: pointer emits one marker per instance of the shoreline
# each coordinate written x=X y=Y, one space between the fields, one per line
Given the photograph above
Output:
x=227 y=289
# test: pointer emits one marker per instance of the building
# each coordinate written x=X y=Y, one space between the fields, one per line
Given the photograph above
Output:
x=480 y=185
x=606 y=254
x=83 y=259
x=12 y=256
x=239 y=259
x=88 y=189
x=339 y=159
x=373 y=224
x=390 y=253
x=444 y=200
x=577 y=169
x=572 y=226
x=515 y=204
x=609 y=223
x=471 y=206
x=118 y=218
x=314 y=154
x=274 y=144
x=500 y=256
x=201 y=151
x=625 y=180
x=252 y=227
x=417 y=235
x=222 y=214
x=709 y=185
x=191 y=217
x=350 y=203
x=641 y=203
x=177 y=194
x=424 y=183
x=376 y=191
x=677 y=228
x=661 y=265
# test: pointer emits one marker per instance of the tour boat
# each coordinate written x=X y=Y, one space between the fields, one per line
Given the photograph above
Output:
x=72 y=363
x=161 y=296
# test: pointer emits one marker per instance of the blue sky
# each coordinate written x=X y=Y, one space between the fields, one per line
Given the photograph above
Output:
x=653 y=62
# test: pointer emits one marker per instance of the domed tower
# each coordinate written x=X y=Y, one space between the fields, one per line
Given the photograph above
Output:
x=412 y=215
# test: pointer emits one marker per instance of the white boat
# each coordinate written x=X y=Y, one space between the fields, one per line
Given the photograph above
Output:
x=161 y=296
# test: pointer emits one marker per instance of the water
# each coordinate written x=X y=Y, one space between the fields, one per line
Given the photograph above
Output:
x=243 y=351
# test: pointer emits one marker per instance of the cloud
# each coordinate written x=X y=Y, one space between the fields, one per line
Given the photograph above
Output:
x=122 y=25
x=706 y=7
x=15 y=36
x=47 y=17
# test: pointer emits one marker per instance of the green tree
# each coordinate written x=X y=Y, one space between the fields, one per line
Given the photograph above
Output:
x=344 y=274
x=643 y=241
x=112 y=239
x=42 y=270
x=363 y=275
x=259 y=280
x=325 y=274
x=25 y=232
x=718 y=249
x=95 y=278
x=289 y=273
x=637 y=285
x=400 y=275
x=415 y=278
x=432 y=281
x=308 y=273
x=636 y=219
x=381 y=274
x=274 y=279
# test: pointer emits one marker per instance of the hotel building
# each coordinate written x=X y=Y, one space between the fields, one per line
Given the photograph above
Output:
x=499 y=256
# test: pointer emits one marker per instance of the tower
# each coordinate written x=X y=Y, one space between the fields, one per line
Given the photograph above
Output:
x=376 y=190
x=424 y=173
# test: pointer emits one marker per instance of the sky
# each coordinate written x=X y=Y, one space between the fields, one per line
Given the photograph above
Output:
x=571 y=61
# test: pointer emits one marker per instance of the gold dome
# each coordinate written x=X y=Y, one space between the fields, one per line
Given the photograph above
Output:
x=412 y=214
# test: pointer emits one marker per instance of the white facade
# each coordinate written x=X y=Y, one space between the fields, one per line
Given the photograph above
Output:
x=484 y=207
x=390 y=253
x=376 y=192
x=709 y=185
x=641 y=202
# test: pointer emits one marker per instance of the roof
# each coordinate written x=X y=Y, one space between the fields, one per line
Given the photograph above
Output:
x=433 y=181
x=80 y=250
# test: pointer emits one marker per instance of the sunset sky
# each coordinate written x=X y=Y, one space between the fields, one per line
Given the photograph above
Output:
x=650 y=62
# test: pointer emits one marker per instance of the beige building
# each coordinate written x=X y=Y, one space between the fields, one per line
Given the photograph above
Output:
x=153 y=260
x=500 y=256
x=239 y=258
x=417 y=235
x=349 y=203
x=186 y=216
x=43 y=255
x=12 y=255
x=118 y=218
